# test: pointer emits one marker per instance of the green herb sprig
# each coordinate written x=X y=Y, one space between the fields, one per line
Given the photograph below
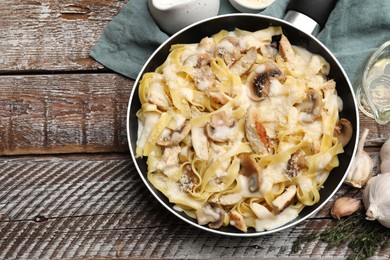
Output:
x=363 y=237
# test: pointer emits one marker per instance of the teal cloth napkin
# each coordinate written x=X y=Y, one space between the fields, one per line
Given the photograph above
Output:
x=354 y=30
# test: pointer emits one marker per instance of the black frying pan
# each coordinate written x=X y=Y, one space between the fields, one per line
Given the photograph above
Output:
x=250 y=22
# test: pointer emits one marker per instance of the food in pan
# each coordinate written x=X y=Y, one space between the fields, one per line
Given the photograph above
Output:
x=241 y=128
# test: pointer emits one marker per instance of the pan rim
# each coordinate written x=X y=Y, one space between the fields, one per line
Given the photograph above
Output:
x=293 y=222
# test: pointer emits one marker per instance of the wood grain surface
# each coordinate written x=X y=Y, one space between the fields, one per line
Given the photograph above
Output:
x=68 y=188
x=63 y=113
x=46 y=35
x=71 y=207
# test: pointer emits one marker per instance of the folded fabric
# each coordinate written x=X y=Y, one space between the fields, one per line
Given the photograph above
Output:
x=352 y=33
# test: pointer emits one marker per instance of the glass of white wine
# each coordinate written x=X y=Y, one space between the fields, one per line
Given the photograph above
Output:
x=373 y=93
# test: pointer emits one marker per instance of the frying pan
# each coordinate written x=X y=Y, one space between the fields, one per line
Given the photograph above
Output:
x=253 y=22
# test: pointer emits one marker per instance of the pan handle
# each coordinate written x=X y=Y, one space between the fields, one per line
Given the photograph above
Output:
x=309 y=15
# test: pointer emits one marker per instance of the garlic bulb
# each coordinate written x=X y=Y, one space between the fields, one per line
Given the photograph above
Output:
x=376 y=199
x=362 y=165
x=385 y=156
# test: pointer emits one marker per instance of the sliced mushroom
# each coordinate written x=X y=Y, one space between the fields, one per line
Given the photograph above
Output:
x=268 y=51
x=204 y=78
x=237 y=220
x=200 y=142
x=211 y=213
x=250 y=169
x=256 y=133
x=176 y=136
x=246 y=61
x=310 y=106
x=229 y=50
x=158 y=97
x=203 y=74
x=296 y=162
x=285 y=49
x=221 y=127
x=208 y=45
x=188 y=180
x=259 y=80
x=343 y=131
x=198 y=60
x=284 y=200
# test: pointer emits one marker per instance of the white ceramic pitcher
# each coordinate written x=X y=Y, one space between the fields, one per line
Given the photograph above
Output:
x=173 y=15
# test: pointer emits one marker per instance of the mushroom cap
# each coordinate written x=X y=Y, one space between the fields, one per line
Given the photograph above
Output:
x=229 y=50
x=175 y=136
x=343 y=131
x=250 y=169
x=296 y=162
x=259 y=80
x=311 y=105
x=220 y=128
x=188 y=180
x=243 y=64
x=211 y=213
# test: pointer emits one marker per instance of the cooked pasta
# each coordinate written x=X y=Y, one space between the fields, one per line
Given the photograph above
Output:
x=239 y=129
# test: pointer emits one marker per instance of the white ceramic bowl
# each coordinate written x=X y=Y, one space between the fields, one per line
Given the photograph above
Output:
x=174 y=15
x=250 y=6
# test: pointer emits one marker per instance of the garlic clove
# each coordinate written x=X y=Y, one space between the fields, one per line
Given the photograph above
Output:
x=362 y=165
x=361 y=171
x=344 y=206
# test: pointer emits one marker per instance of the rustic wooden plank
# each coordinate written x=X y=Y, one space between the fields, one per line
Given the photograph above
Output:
x=68 y=113
x=52 y=35
x=97 y=207
x=63 y=113
x=378 y=133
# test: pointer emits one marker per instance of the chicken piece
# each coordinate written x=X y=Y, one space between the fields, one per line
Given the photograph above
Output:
x=200 y=142
x=256 y=133
x=285 y=49
x=284 y=200
x=237 y=220
x=169 y=161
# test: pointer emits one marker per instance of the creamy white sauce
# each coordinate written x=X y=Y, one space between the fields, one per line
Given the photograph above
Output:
x=255 y=3
x=224 y=132
x=324 y=160
x=150 y=121
x=278 y=220
x=177 y=208
x=305 y=183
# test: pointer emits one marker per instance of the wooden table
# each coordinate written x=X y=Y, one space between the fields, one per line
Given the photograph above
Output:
x=68 y=187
